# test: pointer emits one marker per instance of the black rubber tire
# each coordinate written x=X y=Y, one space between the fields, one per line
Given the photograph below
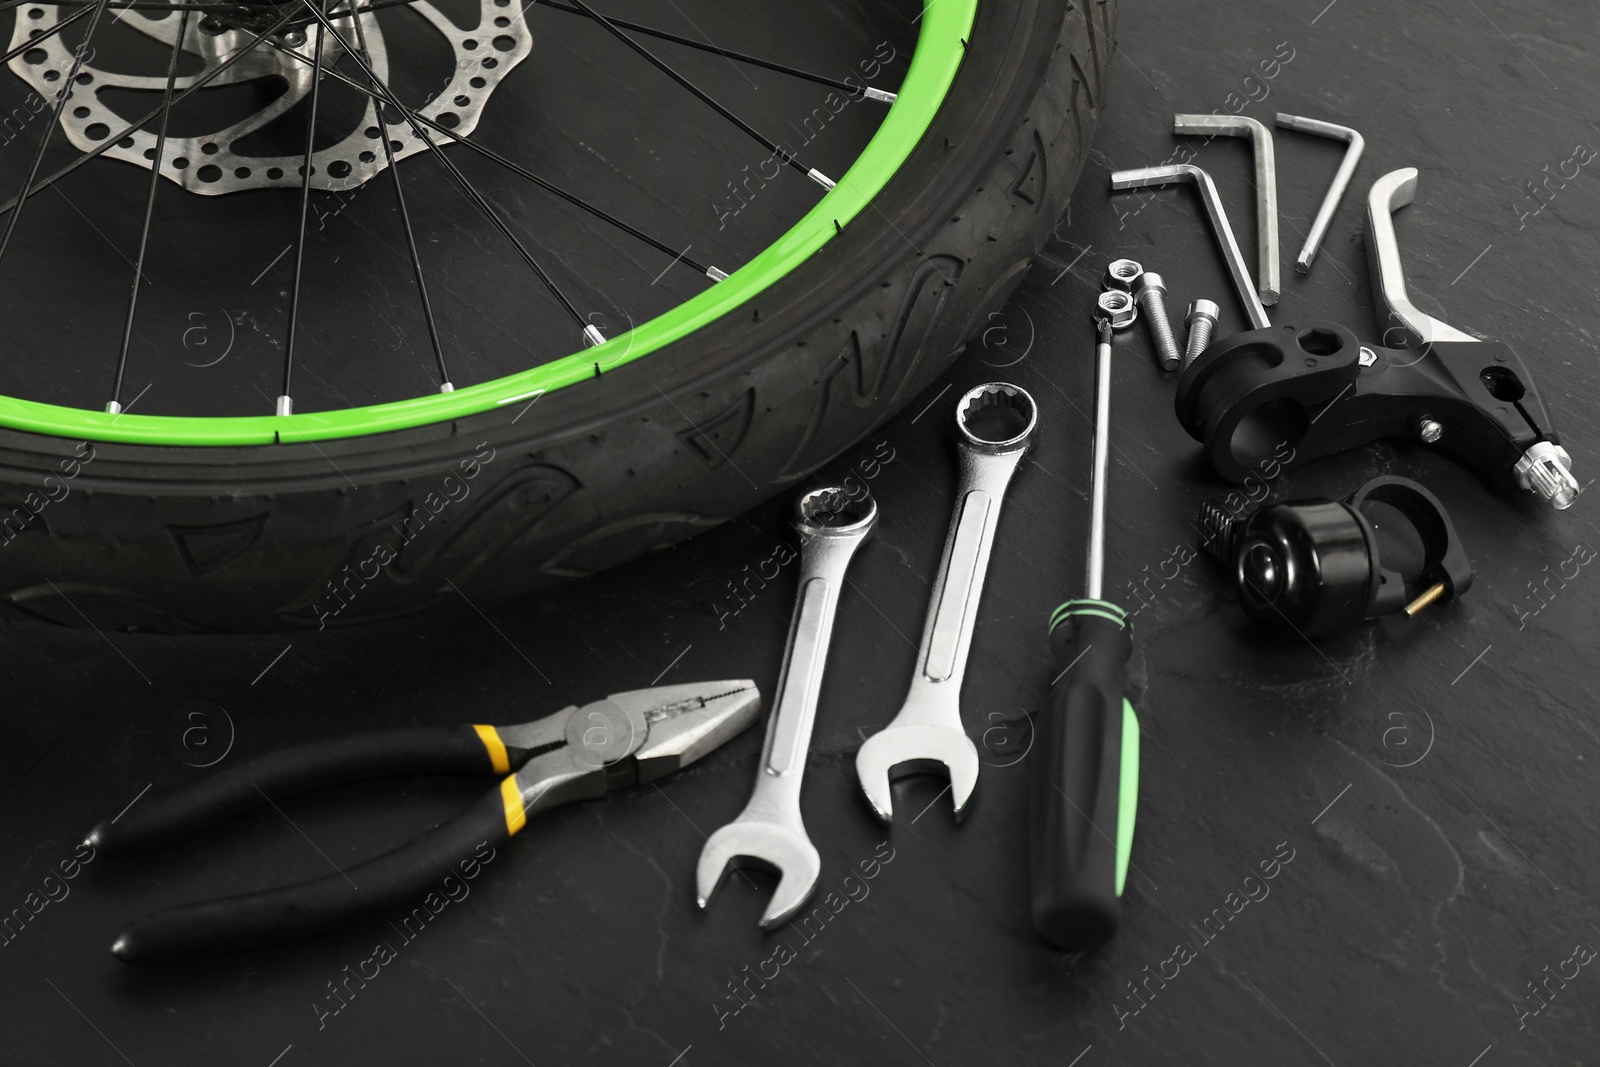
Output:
x=306 y=535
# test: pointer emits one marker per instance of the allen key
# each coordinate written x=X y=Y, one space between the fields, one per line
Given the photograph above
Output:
x=1266 y=185
x=1145 y=177
x=1341 y=180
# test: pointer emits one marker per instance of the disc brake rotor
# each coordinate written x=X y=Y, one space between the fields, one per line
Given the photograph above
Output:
x=215 y=161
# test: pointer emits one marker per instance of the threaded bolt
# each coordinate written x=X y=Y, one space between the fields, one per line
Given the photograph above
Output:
x=1429 y=430
x=1201 y=320
x=1214 y=526
x=1153 y=301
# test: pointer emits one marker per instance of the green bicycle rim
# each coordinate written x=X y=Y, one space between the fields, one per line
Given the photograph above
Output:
x=945 y=27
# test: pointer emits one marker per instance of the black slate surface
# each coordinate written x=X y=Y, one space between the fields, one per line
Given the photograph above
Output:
x=1422 y=793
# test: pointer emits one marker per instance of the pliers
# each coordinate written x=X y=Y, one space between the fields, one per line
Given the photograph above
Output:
x=575 y=754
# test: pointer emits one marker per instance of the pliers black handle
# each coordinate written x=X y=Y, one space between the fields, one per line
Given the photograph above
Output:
x=359 y=757
x=290 y=913
x=577 y=753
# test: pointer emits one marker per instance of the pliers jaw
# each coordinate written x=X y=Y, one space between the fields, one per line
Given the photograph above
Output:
x=690 y=721
x=629 y=738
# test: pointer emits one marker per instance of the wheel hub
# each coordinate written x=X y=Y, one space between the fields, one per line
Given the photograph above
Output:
x=226 y=153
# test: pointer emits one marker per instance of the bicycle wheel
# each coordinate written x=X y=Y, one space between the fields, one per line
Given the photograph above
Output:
x=320 y=314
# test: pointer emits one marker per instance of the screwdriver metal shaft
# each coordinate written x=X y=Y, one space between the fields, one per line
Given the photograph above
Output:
x=1095 y=576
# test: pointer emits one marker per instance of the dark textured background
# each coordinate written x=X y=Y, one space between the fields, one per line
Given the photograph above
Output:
x=1432 y=779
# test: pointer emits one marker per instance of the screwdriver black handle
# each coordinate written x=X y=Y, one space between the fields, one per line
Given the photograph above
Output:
x=1085 y=783
x=162 y=820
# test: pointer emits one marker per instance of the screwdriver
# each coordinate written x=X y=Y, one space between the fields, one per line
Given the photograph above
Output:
x=1085 y=785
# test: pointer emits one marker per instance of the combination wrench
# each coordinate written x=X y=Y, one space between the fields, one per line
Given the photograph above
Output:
x=995 y=423
x=769 y=832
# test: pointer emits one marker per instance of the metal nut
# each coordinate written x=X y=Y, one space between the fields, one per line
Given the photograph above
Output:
x=1122 y=274
x=1117 y=309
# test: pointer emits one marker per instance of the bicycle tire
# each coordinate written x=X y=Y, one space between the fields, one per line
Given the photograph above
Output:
x=343 y=531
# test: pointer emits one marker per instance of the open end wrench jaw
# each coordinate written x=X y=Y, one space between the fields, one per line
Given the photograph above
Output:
x=763 y=846
x=941 y=750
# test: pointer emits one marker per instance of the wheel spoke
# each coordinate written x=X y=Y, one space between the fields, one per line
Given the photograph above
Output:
x=445 y=385
x=115 y=405
x=55 y=120
x=285 y=399
x=590 y=333
x=866 y=92
x=782 y=154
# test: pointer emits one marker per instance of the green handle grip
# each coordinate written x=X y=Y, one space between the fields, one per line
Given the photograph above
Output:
x=1085 y=785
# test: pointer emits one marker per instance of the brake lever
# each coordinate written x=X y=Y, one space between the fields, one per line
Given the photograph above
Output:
x=1314 y=389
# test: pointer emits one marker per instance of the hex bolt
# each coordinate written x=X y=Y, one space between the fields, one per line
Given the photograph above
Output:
x=1201 y=320
x=1429 y=430
x=1153 y=301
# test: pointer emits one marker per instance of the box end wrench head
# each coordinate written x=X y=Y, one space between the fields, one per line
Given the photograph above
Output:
x=769 y=833
x=995 y=424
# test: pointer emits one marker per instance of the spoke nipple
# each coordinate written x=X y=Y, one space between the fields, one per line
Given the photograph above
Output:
x=447 y=388
x=592 y=336
x=879 y=94
x=820 y=178
x=716 y=275
x=285 y=405
x=113 y=408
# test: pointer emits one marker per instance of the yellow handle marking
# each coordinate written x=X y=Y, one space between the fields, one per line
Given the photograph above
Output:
x=511 y=797
x=497 y=748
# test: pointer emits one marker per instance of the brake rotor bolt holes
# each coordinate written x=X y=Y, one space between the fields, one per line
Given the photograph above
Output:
x=1429 y=430
x=1153 y=300
x=1201 y=321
